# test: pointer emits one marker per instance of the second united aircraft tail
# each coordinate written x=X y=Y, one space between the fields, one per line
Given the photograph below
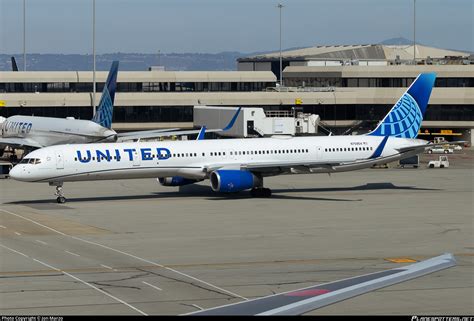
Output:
x=104 y=113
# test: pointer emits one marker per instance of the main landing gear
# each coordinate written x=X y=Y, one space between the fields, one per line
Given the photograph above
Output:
x=261 y=192
x=59 y=192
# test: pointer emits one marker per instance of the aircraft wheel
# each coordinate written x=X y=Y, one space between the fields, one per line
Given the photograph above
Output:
x=61 y=200
x=254 y=192
x=266 y=192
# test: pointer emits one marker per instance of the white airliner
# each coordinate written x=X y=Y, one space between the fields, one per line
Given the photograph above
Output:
x=30 y=132
x=234 y=165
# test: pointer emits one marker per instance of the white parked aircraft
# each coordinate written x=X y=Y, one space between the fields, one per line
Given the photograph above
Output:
x=234 y=165
x=30 y=132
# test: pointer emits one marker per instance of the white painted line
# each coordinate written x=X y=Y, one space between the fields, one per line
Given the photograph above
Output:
x=106 y=266
x=127 y=254
x=153 y=286
x=45 y=264
x=34 y=222
x=44 y=243
x=82 y=281
x=17 y=233
x=1 y=226
x=6 y=247
x=75 y=254
x=108 y=294
x=197 y=306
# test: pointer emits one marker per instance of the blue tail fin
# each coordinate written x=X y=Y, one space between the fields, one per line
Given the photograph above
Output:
x=103 y=115
x=404 y=119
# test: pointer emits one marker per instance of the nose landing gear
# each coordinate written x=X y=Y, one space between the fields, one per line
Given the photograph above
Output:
x=59 y=192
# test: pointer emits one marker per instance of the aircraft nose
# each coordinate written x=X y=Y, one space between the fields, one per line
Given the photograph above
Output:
x=18 y=173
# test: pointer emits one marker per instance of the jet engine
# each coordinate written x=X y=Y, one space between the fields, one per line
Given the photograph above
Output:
x=176 y=181
x=230 y=181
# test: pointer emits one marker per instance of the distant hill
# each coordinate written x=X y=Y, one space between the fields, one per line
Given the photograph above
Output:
x=225 y=61
x=128 y=61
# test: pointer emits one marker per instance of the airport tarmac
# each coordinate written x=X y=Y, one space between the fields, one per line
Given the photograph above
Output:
x=136 y=247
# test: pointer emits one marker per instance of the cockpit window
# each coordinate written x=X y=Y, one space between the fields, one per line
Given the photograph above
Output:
x=30 y=161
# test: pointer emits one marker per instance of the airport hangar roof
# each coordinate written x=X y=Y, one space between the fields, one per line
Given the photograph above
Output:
x=137 y=76
x=392 y=71
x=361 y=52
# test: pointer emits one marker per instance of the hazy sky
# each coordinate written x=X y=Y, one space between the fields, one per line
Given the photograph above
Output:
x=146 y=26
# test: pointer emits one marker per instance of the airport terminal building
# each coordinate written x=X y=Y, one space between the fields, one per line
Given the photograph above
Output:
x=350 y=87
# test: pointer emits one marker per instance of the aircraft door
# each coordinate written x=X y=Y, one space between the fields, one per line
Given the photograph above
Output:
x=319 y=152
x=136 y=158
x=59 y=160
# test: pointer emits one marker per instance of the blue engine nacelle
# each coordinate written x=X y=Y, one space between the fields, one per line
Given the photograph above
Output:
x=229 y=181
x=176 y=181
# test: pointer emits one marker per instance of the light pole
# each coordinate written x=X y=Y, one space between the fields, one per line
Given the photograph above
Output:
x=280 y=6
x=24 y=35
x=93 y=57
x=414 y=32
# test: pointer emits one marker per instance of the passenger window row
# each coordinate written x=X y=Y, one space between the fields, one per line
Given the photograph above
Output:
x=348 y=149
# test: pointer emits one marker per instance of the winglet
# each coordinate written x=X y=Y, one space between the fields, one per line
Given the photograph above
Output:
x=103 y=115
x=232 y=121
x=201 y=134
x=405 y=117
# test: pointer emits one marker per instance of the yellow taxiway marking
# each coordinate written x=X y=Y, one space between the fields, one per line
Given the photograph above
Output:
x=401 y=260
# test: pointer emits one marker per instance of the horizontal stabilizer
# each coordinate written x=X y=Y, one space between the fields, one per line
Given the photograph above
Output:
x=419 y=148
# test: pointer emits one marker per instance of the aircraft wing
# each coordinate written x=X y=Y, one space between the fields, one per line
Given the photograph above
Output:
x=302 y=166
x=162 y=133
x=19 y=142
x=143 y=134
x=173 y=132
x=307 y=299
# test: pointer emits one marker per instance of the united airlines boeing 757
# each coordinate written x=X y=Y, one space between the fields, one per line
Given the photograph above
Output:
x=234 y=165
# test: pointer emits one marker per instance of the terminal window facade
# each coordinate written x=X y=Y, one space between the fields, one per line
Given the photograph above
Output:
x=377 y=112
x=136 y=86
x=372 y=82
x=135 y=114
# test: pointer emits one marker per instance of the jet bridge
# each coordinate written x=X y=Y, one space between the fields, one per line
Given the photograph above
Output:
x=256 y=122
